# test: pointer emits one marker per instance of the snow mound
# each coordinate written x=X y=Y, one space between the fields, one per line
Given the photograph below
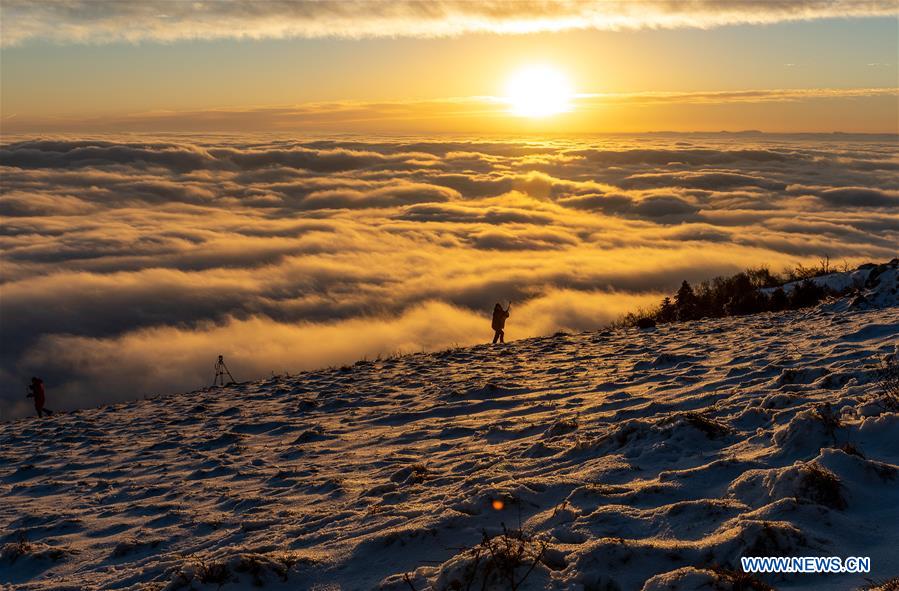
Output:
x=806 y=482
x=807 y=432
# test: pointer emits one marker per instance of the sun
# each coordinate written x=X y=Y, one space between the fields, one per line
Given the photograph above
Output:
x=538 y=91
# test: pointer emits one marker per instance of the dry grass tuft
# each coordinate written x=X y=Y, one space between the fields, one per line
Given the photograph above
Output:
x=820 y=485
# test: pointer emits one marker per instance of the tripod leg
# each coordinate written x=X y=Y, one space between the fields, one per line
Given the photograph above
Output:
x=228 y=371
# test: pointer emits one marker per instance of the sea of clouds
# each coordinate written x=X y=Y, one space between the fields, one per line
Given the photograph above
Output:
x=131 y=262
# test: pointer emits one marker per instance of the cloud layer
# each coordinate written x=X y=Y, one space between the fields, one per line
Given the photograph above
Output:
x=103 y=21
x=130 y=262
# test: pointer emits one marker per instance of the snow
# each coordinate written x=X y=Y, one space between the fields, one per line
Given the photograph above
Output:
x=875 y=285
x=630 y=459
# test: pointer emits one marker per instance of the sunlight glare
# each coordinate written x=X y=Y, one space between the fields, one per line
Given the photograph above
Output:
x=538 y=91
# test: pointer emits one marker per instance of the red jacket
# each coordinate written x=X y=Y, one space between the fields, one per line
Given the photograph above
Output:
x=37 y=390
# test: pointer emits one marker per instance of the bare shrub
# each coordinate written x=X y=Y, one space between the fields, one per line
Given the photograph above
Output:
x=821 y=486
x=219 y=572
x=831 y=421
x=212 y=572
x=888 y=382
x=801 y=272
x=13 y=551
x=413 y=474
x=852 y=449
x=711 y=428
x=772 y=539
x=561 y=427
x=504 y=561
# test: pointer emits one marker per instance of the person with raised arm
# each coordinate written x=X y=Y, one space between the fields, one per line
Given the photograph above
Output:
x=499 y=322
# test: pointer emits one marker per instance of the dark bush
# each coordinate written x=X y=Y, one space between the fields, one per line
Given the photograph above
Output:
x=778 y=300
x=646 y=323
x=737 y=295
x=807 y=293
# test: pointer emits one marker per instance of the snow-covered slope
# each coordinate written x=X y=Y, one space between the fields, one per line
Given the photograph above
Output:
x=631 y=459
x=873 y=285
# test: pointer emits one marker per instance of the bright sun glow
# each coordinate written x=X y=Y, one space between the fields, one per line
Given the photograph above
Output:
x=538 y=91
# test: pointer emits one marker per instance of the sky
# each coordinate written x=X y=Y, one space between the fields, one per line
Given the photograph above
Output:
x=412 y=67
x=296 y=185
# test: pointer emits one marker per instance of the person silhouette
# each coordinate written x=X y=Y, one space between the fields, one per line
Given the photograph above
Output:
x=36 y=391
x=499 y=322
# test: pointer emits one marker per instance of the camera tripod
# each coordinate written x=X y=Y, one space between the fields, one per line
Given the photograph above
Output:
x=221 y=370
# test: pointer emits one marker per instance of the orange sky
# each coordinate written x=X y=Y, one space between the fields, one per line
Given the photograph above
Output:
x=395 y=67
